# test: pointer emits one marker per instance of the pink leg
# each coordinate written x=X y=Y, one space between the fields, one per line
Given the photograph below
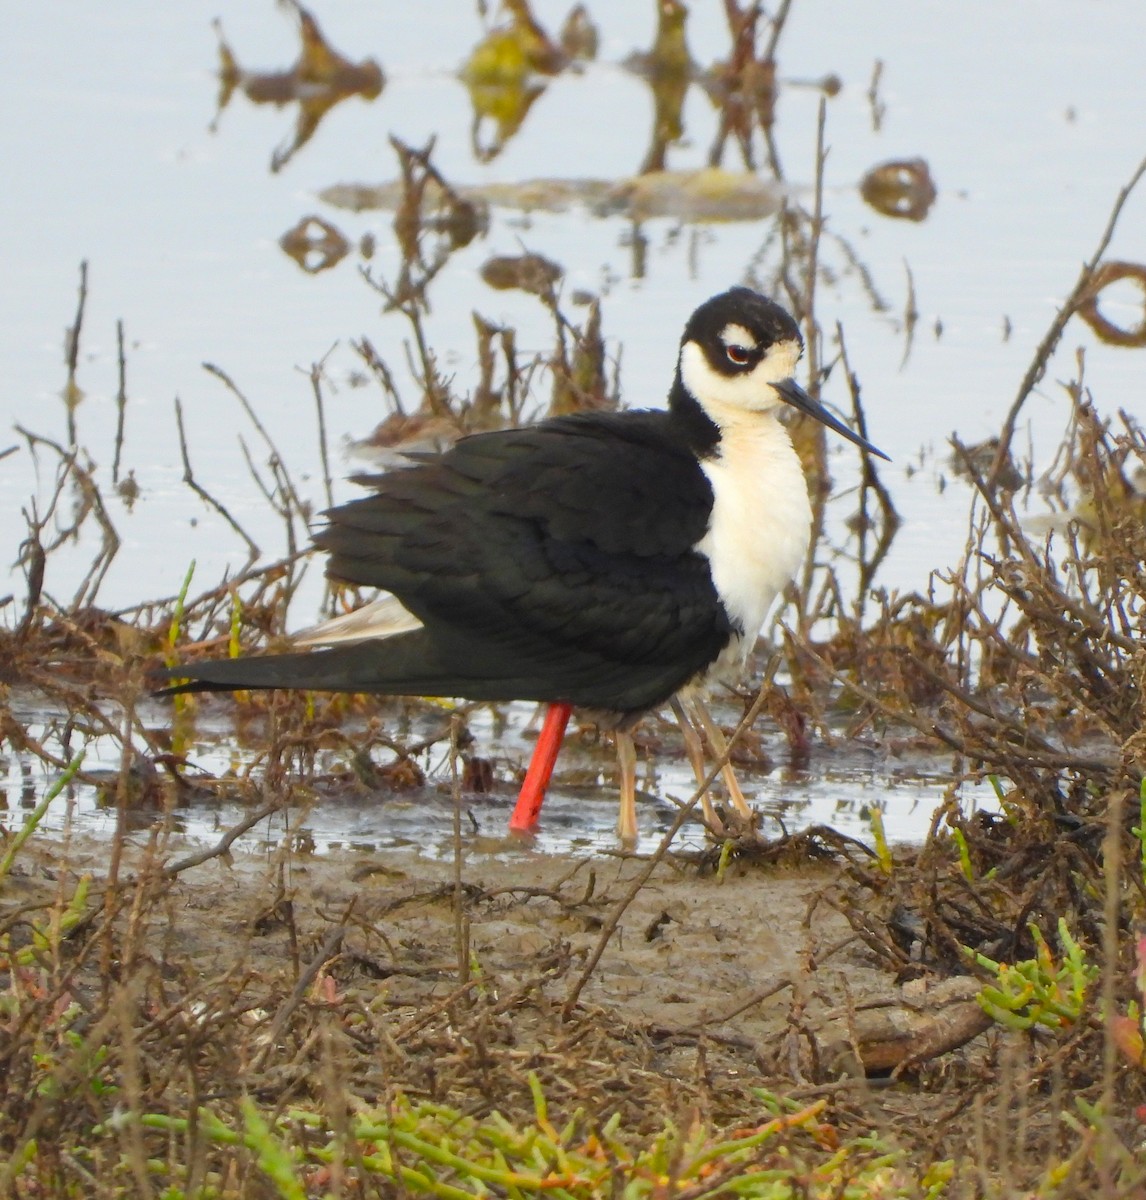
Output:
x=532 y=795
x=627 y=759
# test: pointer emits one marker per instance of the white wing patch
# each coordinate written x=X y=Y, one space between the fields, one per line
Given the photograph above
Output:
x=383 y=618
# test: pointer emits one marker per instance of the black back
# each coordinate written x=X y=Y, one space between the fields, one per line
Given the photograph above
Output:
x=564 y=549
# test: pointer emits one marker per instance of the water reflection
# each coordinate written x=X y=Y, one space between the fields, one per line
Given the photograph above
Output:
x=320 y=79
x=743 y=86
x=508 y=68
x=668 y=69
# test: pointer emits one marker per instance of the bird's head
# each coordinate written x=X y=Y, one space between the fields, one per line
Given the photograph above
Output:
x=738 y=356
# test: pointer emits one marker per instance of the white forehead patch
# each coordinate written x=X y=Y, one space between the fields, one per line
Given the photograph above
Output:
x=737 y=335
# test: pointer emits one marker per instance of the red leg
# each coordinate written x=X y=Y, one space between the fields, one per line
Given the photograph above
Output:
x=532 y=795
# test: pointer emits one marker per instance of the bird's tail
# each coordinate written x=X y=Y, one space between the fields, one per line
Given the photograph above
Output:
x=414 y=664
x=390 y=668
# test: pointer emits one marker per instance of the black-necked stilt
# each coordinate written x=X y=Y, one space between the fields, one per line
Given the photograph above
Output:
x=609 y=561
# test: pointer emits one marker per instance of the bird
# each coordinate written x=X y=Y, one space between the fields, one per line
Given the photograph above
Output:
x=610 y=562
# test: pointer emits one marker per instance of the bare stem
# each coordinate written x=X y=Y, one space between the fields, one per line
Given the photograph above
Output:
x=120 y=402
x=72 y=354
x=1053 y=335
x=190 y=480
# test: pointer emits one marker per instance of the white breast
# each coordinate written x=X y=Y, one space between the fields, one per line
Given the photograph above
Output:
x=761 y=520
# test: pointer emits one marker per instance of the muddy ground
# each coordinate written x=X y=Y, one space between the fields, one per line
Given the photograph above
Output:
x=292 y=976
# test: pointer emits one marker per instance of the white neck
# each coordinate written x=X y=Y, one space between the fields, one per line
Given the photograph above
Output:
x=761 y=516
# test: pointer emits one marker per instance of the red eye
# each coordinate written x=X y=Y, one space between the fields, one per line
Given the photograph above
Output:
x=739 y=355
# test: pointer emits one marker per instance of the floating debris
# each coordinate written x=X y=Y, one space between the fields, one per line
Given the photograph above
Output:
x=708 y=194
x=1104 y=328
x=315 y=244
x=531 y=273
x=902 y=188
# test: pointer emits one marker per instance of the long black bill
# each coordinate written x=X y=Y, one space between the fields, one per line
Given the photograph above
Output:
x=795 y=395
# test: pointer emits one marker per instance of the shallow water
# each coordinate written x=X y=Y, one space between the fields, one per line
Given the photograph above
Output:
x=839 y=788
x=1028 y=117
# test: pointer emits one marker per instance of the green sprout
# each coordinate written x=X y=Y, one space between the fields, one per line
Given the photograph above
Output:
x=181 y=701
x=879 y=836
x=1039 y=990
x=177 y=615
x=726 y=848
x=1139 y=830
x=432 y=1150
x=37 y=815
x=964 y=855
x=234 y=645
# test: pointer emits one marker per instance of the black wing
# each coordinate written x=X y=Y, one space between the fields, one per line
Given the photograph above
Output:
x=562 y=553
